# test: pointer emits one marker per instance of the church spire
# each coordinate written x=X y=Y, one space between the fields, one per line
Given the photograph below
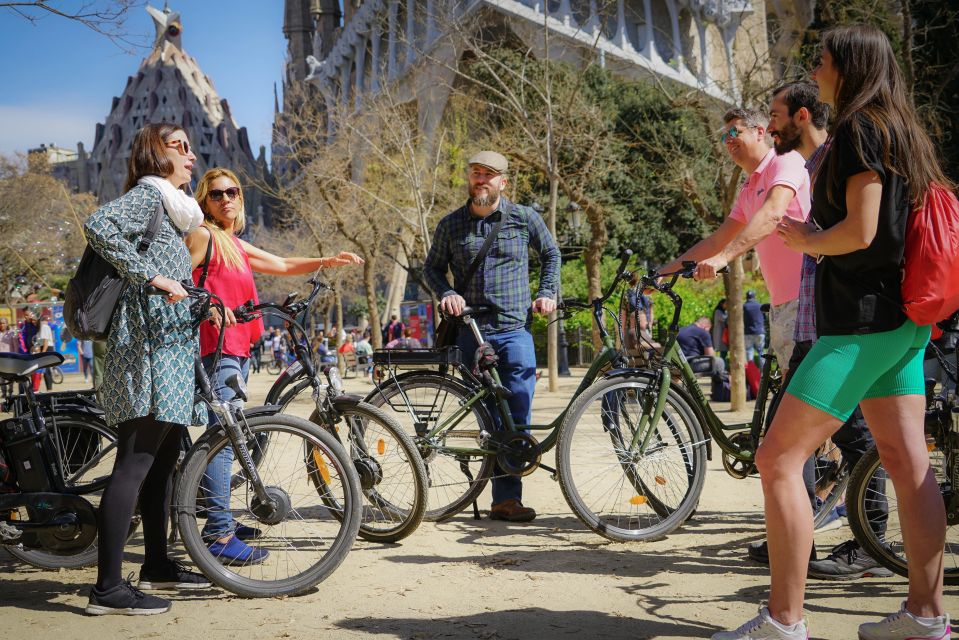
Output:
x=168 y=26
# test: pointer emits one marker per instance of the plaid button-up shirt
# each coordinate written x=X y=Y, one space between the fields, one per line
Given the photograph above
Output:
x=806 y=315
x=502 y=280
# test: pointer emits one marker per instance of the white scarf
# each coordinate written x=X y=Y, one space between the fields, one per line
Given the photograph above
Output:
x=182 y=209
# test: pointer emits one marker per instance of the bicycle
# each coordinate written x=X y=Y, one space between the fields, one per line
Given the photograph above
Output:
x=871 y=500
x=455 y=432
x=737 y=449
x=61 y=454
x=391 y=470
x=290 y=478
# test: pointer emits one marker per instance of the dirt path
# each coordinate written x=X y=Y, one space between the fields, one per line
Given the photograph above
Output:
x=489 y=580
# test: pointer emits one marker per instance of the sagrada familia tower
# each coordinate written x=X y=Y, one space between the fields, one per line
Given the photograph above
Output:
x=170 y=87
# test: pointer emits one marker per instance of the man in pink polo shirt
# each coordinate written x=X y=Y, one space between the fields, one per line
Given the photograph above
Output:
x=775 y=186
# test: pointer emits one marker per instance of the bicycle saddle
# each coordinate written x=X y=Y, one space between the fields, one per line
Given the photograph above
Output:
x=21 y=365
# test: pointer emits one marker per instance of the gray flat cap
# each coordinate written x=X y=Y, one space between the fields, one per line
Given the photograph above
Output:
x=491 y=160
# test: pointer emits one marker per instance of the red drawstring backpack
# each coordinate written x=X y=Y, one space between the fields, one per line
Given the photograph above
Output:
x=930 y=274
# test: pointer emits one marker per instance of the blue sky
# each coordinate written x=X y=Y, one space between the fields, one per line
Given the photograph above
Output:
x=59 y=77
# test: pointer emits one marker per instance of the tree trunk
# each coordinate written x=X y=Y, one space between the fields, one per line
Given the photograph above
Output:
x=397 y=286
x=737 y=351
x=593 y=258
x=552 y=330
x=338 y=298
x=369 y=286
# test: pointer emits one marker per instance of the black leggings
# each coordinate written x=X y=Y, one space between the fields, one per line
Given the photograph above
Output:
x=147 y=453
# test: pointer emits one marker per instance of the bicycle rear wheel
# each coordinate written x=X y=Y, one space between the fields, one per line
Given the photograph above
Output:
x=86 y=450
x=874 y=515
x=391 y=471
x=420 y=402
x=305 y=541
x=628 y=496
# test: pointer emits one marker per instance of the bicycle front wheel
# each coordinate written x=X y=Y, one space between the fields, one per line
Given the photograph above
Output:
x=619 y=493
x=57 y=375
x=873 y=510
x=456 y=472
x=391 y=471
x=303 y=541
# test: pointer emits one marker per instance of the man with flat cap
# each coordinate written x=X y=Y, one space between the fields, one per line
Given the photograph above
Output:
x=499 y=279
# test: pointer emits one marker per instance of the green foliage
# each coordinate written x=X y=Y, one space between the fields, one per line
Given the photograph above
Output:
x=928 y=59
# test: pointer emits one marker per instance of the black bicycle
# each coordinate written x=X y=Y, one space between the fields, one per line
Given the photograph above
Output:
x=391 y=470
x=306 y=527
x=871 y=499
x=59 y=454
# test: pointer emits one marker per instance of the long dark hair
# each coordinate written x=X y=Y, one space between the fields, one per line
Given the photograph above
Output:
x=148 y=155
x=872 y=85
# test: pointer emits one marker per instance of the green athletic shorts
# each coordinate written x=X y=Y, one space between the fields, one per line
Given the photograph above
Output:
x=840 y=371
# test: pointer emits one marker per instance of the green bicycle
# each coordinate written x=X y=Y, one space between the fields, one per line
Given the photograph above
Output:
x=737 y=442
x=649 y=473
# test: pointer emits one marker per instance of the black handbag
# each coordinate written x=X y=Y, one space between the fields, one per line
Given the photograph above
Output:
x=94 y=290
x=446 y=331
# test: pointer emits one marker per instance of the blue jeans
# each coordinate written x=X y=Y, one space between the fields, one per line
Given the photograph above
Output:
x=216 y=481
x=754 y=344
x=517 y=372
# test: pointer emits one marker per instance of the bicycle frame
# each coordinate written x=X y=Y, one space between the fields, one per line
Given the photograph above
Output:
x=674 y=357
x=609 y=357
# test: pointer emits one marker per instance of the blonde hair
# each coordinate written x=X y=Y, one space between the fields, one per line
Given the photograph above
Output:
x=225 y=247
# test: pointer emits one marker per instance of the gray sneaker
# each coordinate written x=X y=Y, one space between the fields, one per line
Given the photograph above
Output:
x=847 y=561
x=763 y=627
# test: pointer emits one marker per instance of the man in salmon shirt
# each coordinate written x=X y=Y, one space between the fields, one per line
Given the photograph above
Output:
x=775 y=186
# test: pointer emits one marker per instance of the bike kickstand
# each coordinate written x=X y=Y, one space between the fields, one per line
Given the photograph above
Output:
x=476 y=511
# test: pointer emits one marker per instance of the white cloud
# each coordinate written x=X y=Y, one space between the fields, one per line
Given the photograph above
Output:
x=25 y=127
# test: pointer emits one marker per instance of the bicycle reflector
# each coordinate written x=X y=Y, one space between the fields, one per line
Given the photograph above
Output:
x=321 y=465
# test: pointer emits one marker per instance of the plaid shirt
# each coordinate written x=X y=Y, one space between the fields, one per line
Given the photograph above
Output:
x=806 y=315
x=502 y=280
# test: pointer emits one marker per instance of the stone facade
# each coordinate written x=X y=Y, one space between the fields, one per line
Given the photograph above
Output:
x=170 y=87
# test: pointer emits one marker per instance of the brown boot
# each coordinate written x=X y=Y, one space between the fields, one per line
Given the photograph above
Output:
x=511 y=510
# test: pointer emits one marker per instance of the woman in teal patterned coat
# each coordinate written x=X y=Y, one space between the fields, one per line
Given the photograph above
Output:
x=147 y=391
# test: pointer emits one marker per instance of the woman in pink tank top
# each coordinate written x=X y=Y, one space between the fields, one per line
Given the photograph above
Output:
x=229 y=274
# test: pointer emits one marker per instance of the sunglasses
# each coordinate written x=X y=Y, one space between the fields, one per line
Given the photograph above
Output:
x=732 y=132
x=180 y=145
x=217 y=194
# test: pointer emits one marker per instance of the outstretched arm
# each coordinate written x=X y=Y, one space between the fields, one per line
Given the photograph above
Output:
x=265 y=262
x=755 y=231
x=708 y=246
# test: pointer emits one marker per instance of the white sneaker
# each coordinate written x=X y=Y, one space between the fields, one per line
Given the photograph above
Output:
x=763 y=627
x=902 y=625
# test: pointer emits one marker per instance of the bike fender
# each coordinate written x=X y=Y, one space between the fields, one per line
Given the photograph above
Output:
x=263 y=410
x=347 y=400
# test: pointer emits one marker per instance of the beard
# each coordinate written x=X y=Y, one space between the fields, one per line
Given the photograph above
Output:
x=787 y=139
x=483 y=197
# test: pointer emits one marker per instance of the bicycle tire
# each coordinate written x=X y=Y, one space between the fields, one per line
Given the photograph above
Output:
x=832 y=481
x=297 y=540
x=78 y=440
x=390 y=467
x=57 y=375
x=649 y=509
x=454 y=481
x=865 y=512
x=273 y=368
